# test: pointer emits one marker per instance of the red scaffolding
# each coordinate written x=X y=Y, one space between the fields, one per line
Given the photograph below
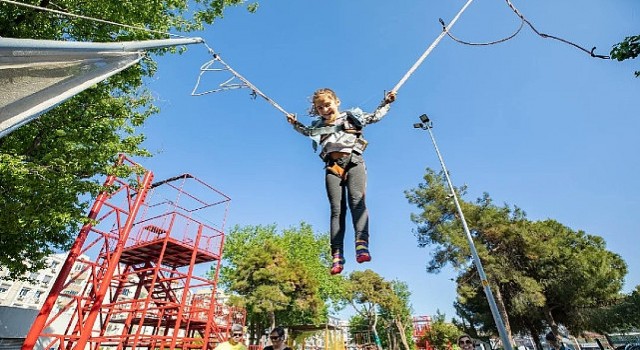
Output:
x=421 y=326
x=137 y=269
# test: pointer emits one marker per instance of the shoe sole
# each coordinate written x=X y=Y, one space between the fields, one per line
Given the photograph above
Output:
x=363 y=258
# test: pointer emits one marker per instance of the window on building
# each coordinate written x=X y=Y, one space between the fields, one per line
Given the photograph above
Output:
x=33 y=276
x=47 y=279
x=4 y=288
x=37 y=295
x=54 y=264
x=125 y=292
x=23 y=292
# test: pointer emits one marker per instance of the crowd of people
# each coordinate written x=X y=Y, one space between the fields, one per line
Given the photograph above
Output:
x=277 y=338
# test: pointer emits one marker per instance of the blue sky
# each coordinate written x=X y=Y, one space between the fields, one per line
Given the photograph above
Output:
x=533 y=122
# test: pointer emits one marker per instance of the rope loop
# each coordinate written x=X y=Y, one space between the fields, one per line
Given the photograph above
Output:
x=444 y=29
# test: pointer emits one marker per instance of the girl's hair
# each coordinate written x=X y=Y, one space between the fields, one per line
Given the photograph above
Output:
x=316 y=95
x=279 y=331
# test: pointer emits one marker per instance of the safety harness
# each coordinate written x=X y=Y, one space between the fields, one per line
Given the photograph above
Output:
x=351 y=125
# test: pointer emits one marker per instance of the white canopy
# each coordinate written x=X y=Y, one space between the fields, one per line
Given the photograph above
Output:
x=37 y=75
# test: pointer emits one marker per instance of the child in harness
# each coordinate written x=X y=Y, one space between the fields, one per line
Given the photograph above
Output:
x=339 y=134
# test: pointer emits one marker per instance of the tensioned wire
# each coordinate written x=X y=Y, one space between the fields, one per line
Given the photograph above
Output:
x=69 y=14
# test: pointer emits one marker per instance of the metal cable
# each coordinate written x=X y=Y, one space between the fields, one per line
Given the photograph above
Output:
x=543 y=35
x=89 y=18
x=444 y=29
x=225 y=86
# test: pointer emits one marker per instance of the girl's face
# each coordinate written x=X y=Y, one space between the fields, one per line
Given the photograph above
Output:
x=327 y=107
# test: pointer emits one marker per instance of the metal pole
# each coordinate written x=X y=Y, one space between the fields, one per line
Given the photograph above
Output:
x=497 y=318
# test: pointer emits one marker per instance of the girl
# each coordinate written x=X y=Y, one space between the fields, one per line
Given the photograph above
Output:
x=340 y=136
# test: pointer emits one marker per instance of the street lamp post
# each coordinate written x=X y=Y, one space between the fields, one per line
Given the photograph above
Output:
x=426 y=124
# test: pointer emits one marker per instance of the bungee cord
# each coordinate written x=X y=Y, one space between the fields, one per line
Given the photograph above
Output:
x=255 y=91
x=429 y=49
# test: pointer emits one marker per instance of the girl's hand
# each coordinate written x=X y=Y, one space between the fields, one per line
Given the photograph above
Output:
x=291 y=118
x=391 y=96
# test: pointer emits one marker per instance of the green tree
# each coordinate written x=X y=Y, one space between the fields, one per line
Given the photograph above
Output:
x=618 y=317
x=439 y=227
x=360 y=331
x=50 y=168
x=442 y=334
x=537 y=270
x=384 y=306
x=280 y=278
x=366 y=291
x=629 y=48
x=395 y=311
x=303 y=245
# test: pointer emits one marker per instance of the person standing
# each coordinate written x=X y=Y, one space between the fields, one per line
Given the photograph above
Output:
x=465 y=342
x=277 y=337
x=555 y=343
x=235 y=341
x=340 y=136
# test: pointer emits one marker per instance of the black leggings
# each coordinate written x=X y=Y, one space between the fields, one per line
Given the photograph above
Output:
x=349 y=191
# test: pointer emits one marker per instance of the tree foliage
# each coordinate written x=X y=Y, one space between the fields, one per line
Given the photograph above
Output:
x=49 y=169
x=384 y=306
x=442 y=334
x=629 y=48
x=281 y=278
x=618 y=317
x=538 y=270
x=398 y=314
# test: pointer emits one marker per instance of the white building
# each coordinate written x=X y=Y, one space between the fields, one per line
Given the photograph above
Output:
x=30 y=294
x=22 y=300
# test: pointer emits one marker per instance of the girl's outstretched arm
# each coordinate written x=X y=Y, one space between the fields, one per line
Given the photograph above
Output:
x=297 y=126
x=382 y=110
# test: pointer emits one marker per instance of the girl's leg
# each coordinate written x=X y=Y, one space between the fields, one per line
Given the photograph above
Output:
x=357 y=186
x=338 y=204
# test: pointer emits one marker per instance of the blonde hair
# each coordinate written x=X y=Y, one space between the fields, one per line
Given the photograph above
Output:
x=317 y=94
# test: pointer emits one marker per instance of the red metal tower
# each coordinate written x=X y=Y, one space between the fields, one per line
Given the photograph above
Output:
x=141 y=259
x=421 y=326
